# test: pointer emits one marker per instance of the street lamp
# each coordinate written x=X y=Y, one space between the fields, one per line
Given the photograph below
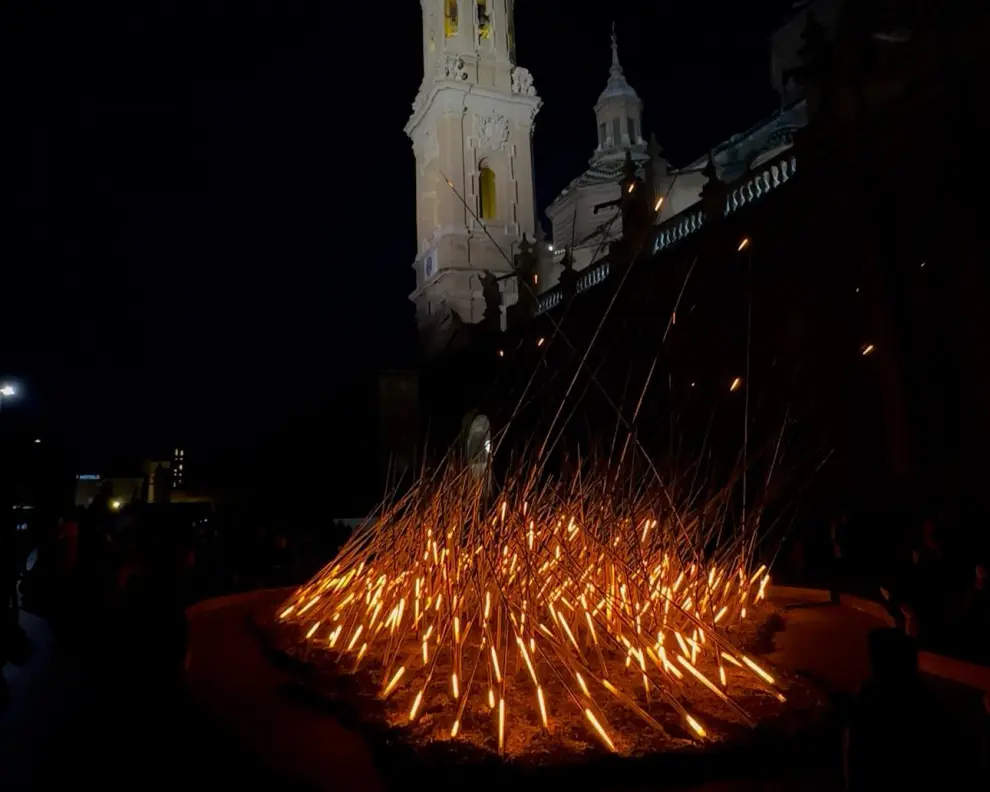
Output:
x=7 y=391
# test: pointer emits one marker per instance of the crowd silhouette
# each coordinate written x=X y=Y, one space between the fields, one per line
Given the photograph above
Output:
x=933 y=582
x=114 y=583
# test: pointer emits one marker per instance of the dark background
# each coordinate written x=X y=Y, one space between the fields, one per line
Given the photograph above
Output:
x=211 y=223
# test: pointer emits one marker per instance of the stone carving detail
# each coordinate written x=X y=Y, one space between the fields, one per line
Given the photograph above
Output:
x=418 y=101
x=492 y=296
x=782 y=136
x=492 y=131
x=522 y=82
x=452 y=68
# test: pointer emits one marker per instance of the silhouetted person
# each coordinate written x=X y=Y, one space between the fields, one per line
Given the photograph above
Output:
x=8 y=601
x=8 y=575
x=281 y=560
x=928 y=587
x=838 y=540
x=898 y=737
x=166 y=598
x=985 y=738
x=975 y=615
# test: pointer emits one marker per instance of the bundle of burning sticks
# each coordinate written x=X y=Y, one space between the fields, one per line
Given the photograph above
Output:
x=567 y=598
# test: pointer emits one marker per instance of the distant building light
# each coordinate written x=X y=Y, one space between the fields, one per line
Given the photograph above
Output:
x=735 y=384
x=501 y=353
x=540 y=341
x=37 y=439
x=744 y=244
x=868 y=350
x=89 y=477
x=115 y=505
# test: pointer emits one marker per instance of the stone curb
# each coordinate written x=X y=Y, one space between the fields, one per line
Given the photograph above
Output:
x=230 y=600
x=960 y=671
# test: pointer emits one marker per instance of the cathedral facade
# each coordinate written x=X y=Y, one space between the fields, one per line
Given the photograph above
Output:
x=471 y=130
x=795 y=258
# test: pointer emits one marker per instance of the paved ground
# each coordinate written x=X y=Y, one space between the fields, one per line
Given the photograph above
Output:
x=229 y=673
x=72 y=719
x=825 y=643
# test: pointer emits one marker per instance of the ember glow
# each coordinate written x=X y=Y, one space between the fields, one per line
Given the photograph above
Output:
x=563 y=597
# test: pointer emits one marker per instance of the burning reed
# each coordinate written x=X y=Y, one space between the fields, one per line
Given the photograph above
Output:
x=548 y=598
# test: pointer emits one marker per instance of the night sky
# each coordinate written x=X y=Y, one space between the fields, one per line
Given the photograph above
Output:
x=212 y=220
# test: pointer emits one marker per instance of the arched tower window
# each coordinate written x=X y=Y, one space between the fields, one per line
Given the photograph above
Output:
x=484 y=21
x=449 y=17
x=486 y=193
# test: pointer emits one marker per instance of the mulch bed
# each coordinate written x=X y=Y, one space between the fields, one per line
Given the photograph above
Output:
x=780 y=734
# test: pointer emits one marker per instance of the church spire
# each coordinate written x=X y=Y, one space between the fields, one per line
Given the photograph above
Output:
x=619 y=112
x=616 y=70
x=617 y=85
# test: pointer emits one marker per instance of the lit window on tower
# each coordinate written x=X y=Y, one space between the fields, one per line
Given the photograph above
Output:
x=486 y=197
x=484 y=21
x=449 y=17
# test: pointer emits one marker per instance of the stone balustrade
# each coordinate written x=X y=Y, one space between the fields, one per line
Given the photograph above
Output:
x=549 y=299
x=743 y=193
x=593 y=275
x=677 y=228
x=755 y=187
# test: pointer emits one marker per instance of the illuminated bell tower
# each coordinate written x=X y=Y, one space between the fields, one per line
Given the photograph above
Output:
x=471 y=130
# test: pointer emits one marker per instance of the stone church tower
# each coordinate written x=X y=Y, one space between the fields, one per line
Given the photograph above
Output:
x=471 y=130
